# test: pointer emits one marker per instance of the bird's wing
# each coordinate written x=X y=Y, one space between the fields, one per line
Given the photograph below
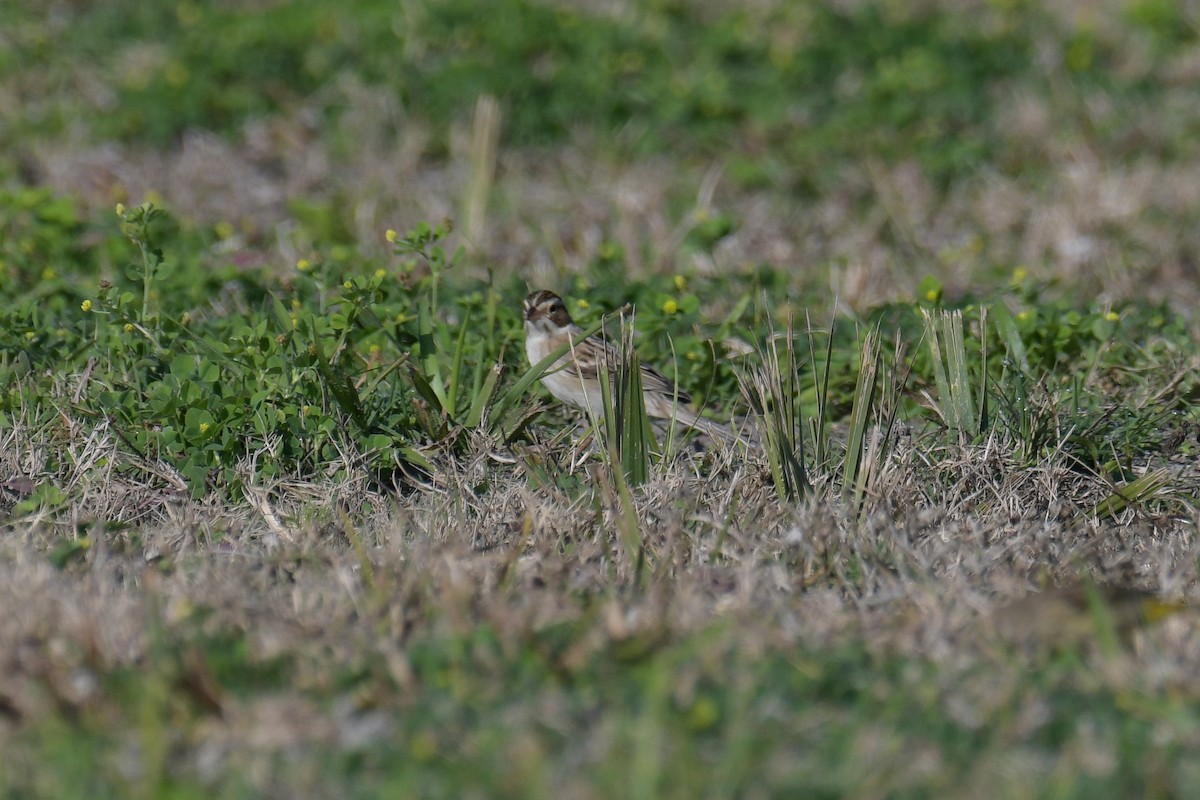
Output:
x=596 y=350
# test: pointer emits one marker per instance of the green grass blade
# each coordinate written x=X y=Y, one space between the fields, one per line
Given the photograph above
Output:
x=770 y=389
x=853 y=468
x=428 y=357
x=483 y=397
x=455 y=378
x=632 y=428
x=1132 y=493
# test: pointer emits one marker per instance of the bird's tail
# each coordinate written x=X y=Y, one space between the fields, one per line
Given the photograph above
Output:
x=716 y=430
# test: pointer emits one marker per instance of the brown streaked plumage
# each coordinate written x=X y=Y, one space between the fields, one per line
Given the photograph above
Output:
x=575 y=378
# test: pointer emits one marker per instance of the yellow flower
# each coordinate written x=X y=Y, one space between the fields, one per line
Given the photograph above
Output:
x=381 y=274
x=129 y=327
x=120 y=209
x=86 y=305
x=152 y=197
x=423 y=746
x=1023 y=315
x=1112 y=316
x=373 y=349
x=176 y=74
x=303 y=265
x=680 y=282
x=390 y=235
x=188 y=14
x=582 y=303
x=204 y=427
x=670 y=306
x=224 y=229
x=347 y=285
x=1020 y=274
x=48 y=274
x=931 y=295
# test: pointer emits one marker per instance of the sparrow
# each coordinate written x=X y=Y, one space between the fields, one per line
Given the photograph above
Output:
x=575 y=377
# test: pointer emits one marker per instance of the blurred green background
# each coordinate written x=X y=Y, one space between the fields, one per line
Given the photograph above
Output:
x=856 y=144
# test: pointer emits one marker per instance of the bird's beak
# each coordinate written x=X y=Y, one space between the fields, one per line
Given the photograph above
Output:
x=531 y=313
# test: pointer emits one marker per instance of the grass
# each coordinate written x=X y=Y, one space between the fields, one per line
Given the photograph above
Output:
x=284 y=511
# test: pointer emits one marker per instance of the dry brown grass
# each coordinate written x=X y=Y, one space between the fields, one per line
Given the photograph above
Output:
x=952 y=535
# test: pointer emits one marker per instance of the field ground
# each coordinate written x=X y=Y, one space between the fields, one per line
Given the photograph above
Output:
x=283 y=514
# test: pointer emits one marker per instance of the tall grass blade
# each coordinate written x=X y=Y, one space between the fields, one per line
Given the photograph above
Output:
x=627 y=436
x=455 y=378
x=855 y=470
x=957 y=372
x=820 y=425
x=428 y=356
x=956 y=402
x=771 y=389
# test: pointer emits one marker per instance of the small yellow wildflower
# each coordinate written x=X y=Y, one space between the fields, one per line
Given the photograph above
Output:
x=120 y=209
x=381 y=273
x=296 y=304
x=204 y=427
x=931 y=295
x=680 y=282
x=128 y=327
x=304 y=265
x=86 y=305
x=373 y=349
x=1023 y=315
x=670 y=306
x=582 y=303
x=152 y=198
x=423 y=746
x=188 y=14
x=49 y=274
x=1020 y=274
x=390 y=236
x=1112 y=316
x=176 y=74
x=347 y=285
x=30 y=335
x=224 y=229
x=703 y=714
x=185 y=318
